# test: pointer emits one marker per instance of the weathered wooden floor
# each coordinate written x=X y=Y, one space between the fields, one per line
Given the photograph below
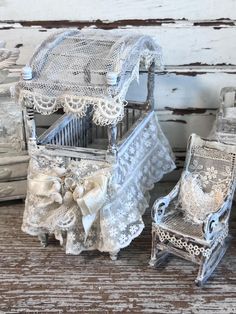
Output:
x=38 y=280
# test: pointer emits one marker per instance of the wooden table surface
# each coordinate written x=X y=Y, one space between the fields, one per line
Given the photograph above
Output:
x=45 y=280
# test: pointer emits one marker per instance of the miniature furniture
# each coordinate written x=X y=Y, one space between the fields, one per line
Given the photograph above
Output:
x=192 y=220
x=224 y=129
x=13 y=154
x=90 y=172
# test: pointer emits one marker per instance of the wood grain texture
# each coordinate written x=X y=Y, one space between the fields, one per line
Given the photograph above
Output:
x=13 y=171
x=185 y=88
x=38 y=280
x=181 y=89
x=184 y=103
x=182 y=45
x=197 y=40
x=116 y=9
x=13 y=189
x=177 y=127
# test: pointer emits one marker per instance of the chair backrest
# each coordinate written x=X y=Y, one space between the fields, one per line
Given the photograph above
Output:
x=212 y=161
x=209 y=174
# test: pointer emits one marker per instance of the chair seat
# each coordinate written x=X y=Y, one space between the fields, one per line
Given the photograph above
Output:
x=176 y=223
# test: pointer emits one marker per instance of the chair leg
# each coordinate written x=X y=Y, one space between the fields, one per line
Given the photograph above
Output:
x=208 y=265
x=114 y=255
x=152 y=261
x=43 y=238
x=159 y=259
x=157 y=256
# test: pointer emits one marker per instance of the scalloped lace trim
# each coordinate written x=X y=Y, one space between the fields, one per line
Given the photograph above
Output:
x=105 y=111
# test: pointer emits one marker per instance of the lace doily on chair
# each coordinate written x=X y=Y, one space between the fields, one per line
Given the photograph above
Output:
x=196 y=203
x=205 y=183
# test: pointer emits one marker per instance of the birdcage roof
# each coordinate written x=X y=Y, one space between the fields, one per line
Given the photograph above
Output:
x=79 y=69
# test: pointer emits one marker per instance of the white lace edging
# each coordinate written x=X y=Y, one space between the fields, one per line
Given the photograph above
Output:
x=105 y=111
x=191 y=248
x=145 y=160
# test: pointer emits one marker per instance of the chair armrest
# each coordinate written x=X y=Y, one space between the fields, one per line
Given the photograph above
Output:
x=160 y=205
x=214 y=222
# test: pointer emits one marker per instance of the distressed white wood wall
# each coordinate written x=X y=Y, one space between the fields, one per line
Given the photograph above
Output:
x=198 y=40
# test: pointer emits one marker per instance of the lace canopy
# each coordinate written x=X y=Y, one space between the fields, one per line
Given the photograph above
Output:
x=76 y=69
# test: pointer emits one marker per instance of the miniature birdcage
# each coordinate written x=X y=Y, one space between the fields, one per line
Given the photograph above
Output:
x=90 y=171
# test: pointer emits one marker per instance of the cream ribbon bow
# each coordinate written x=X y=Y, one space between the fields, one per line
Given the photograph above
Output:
x=90 y=197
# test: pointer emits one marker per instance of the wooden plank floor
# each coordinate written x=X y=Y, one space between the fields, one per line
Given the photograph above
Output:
x=38 y=280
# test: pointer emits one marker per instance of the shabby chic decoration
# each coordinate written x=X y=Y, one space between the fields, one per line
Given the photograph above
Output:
x=90 y=172
x=192 y=220
x=13 y=155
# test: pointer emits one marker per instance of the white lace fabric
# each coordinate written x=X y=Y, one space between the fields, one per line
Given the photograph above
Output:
x=117 y=220
x=204 y=185
x=196 y=203
x=11 y=134
x=70 y=70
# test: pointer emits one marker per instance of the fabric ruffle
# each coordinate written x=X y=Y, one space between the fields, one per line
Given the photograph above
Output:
x=140 y=163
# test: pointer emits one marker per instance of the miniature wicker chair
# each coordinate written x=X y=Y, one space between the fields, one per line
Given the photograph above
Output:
x=89 y=173
x=226 y=117
x=192 y=220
